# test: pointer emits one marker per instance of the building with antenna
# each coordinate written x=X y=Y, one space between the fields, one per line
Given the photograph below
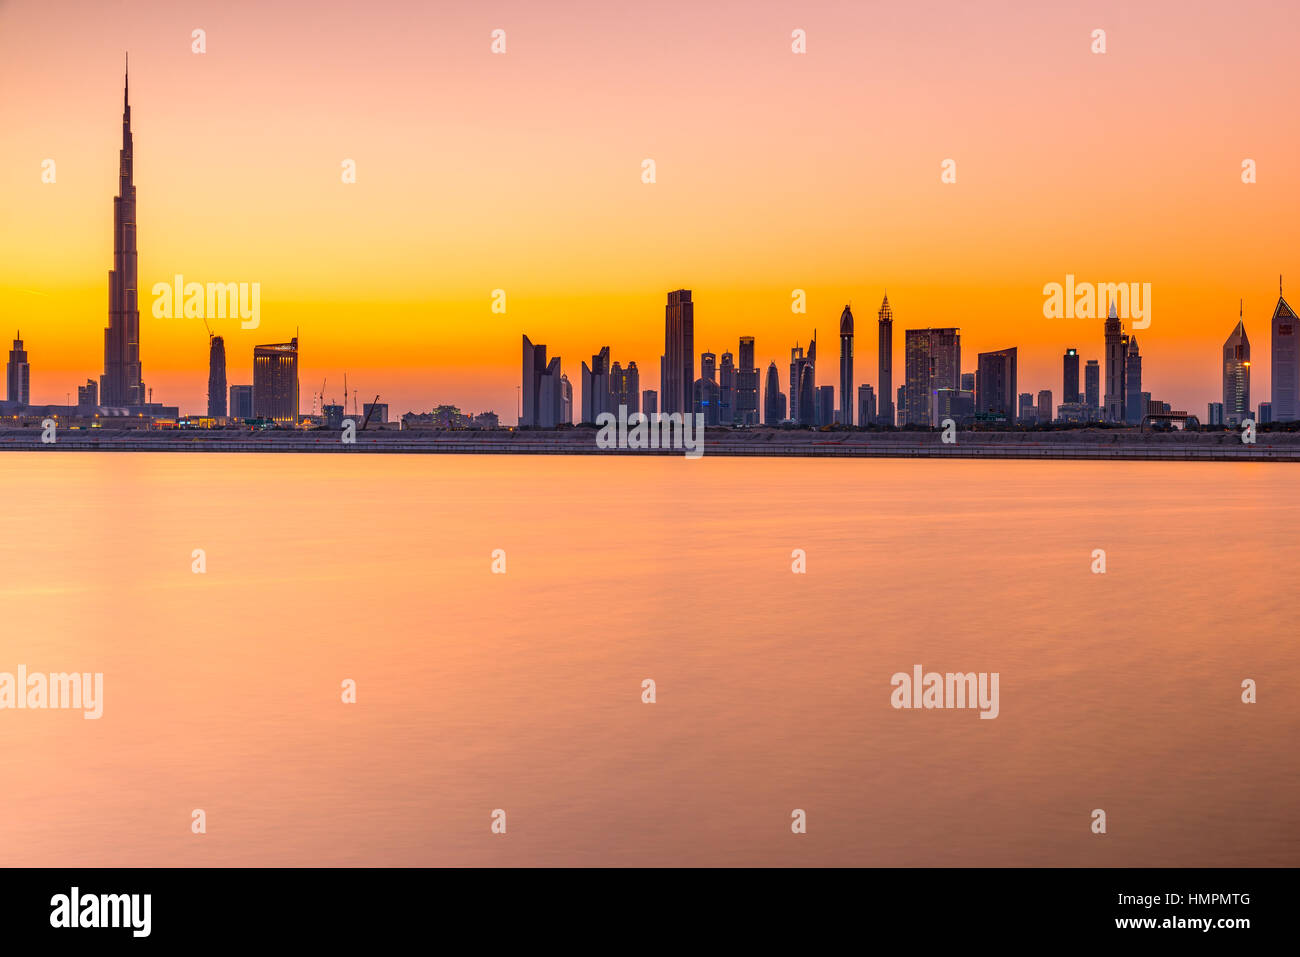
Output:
x=1236 y=375
x=216 y=376
x=18 y=374
x=275 y=382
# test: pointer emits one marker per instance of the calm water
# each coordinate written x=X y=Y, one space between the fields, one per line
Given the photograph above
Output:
x=522 y=691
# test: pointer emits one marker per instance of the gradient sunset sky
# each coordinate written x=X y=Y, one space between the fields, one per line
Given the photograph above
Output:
x=522 y=172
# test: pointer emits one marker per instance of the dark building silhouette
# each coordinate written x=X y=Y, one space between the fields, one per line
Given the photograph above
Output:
x=866 y=405
x=677 y=371
x=88 y=397
x=18 y=373
x=1116 y=365
x=886 y=363
x=1286 y=361
x=1070 y=376
x=706 y=398
x=747 y=384
x=995 y=385
x=543 y=390
x=595 y=386
x=241 y=402
x=275 y=382
x=1134 y=406
x=625 y=388
x=122 y=383
x=727 y=390
x=773 y=399
x=846 y=366
x=216 y=376
x=649 y=402
x=1092 y=386
x=825 y=405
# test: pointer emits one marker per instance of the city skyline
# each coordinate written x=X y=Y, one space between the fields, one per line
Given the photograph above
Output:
x=456 y=349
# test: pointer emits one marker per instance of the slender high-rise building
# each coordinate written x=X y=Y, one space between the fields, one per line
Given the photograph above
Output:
x=1116 y=362
x=886 y=364
x=677 y=372
x=1070 y=380
x=121 y=383
x=727 y=390
x=1286 y=361
x=846 y=367
x=216 y=376
x=802 y=365
x=596 y=386
x=1092 y=387
x=747 y=384
x=773 y=400
x=1236 y=375
x=18 y=373
x=866 y=405
x=1134 y=407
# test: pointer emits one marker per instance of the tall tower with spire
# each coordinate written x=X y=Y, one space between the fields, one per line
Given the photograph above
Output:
x=886 y=363
x=1236 y=373
x=1116 y=367
x=121 y=384
x=846 y=367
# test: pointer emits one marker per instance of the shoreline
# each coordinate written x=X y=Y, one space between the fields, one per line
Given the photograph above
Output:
x=1089 y=445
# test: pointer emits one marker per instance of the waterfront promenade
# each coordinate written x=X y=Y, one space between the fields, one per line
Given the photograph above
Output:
x=1110 y=444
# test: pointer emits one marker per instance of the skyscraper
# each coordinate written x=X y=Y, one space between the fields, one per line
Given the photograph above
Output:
x=121 y=383
x=565 y=390
x=931 y=361
x=88 y=397
x=866 y=405
x=595 y=386
x=625 y=388
x=1286 y=361
x=1070 y=381
x=649 y=401
x=241 y=401
x=678 y=369
x=1134 y=407
x=275 y=382
x=846 y=367
x=1092 y=386
x=707 y=396
x=543 y=393
x=886 y=363
x=1044 y=406
x=1116 y=360
x=995 y=384
x=18 y=373
x=773 y=400
x=808 y=395
x=216 y=376
x=727 y=390
x=825 y=405
x=747 y=384
x=799 y=365
x=1236 y=374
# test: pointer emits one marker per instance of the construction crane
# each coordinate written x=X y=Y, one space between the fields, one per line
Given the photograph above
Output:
x=369 y=412
x=320 y=403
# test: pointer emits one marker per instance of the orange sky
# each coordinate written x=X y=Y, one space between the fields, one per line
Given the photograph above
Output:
x=523 y=172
